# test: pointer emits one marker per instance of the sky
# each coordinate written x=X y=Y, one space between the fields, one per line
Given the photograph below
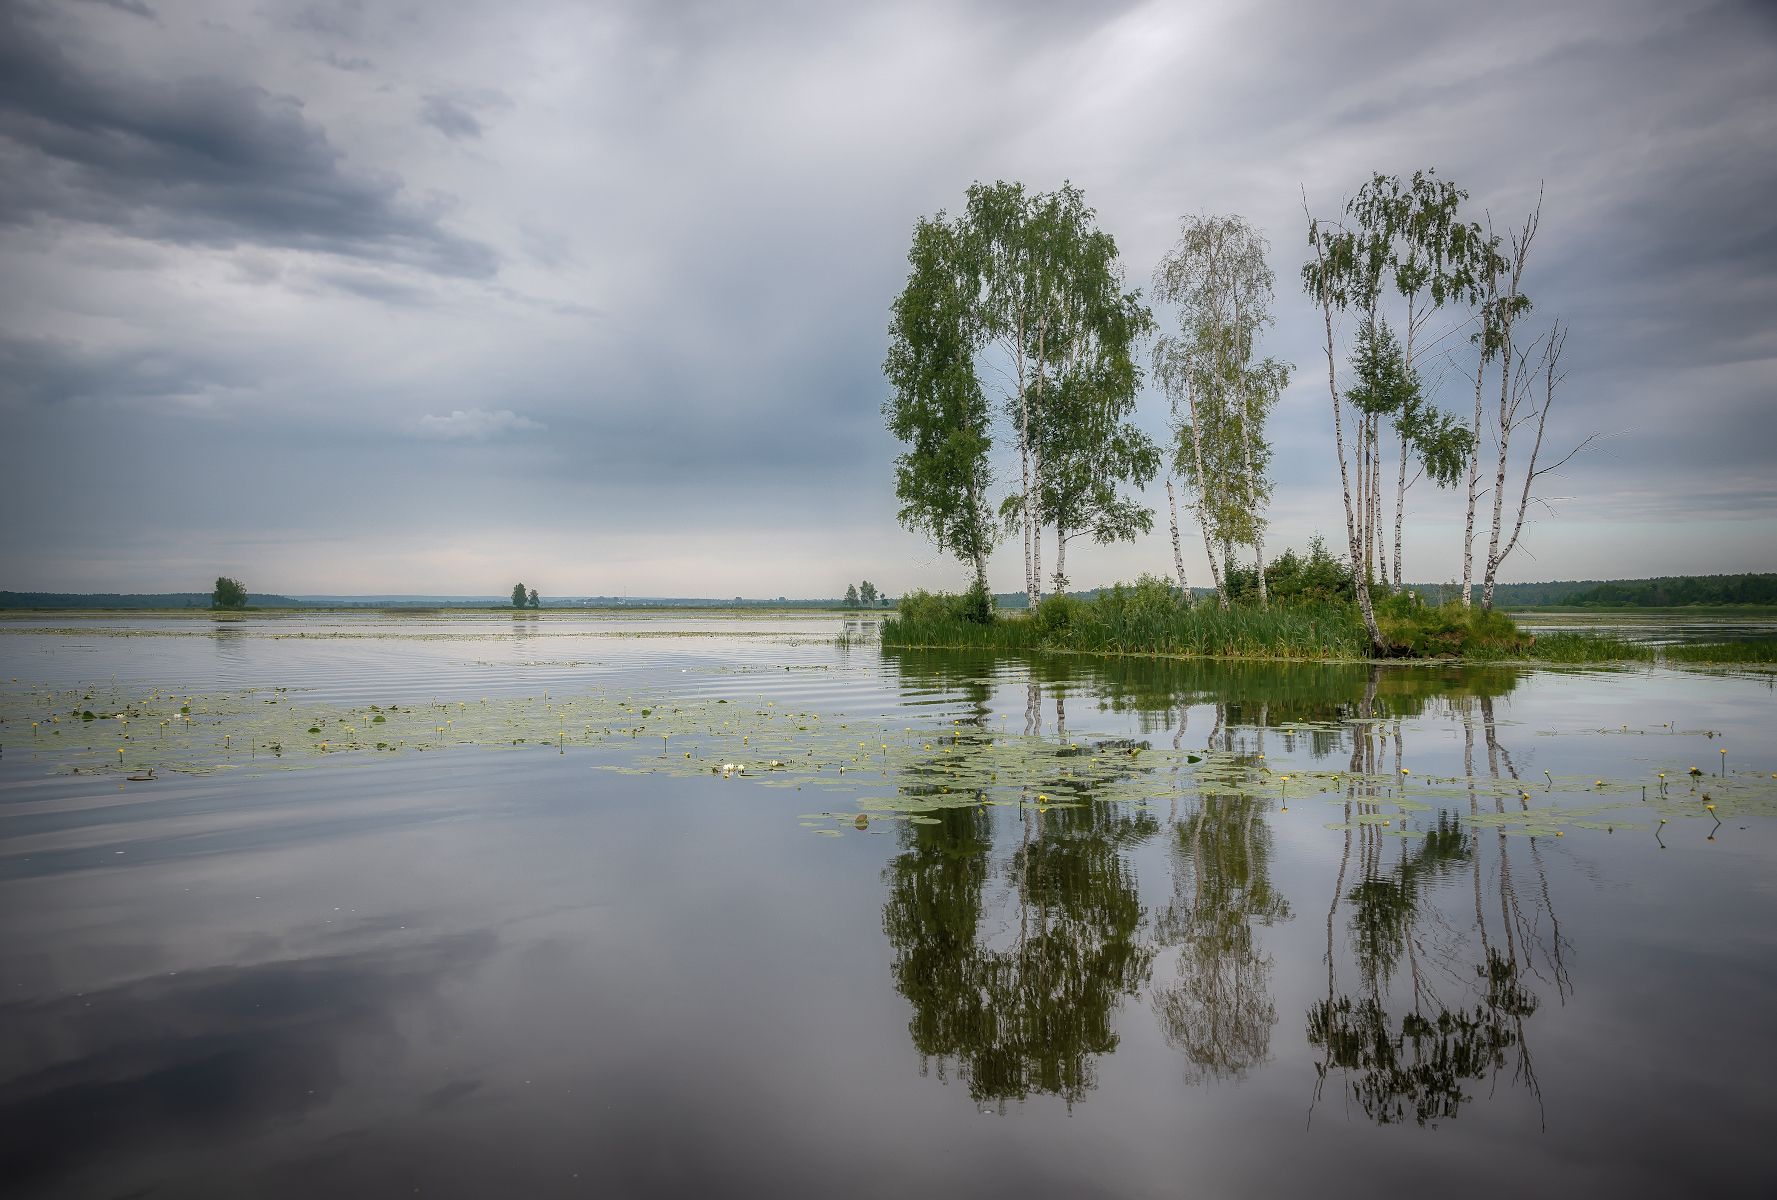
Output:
x=423 y=298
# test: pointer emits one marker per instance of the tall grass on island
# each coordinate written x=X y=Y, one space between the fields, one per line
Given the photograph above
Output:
x=1311 y=613
x=1153 y=617
x=1146 y=617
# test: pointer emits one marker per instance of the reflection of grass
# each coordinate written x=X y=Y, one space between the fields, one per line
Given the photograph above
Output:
x=1764 y=651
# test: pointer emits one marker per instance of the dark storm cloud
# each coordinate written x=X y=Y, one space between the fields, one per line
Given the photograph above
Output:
x=200 y=160
x=348 y=62
x=48 y=371
x=134 y=7
x=449 y=117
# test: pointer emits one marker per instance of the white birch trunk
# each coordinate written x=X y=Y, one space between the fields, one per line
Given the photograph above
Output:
x=1400 y=486
x=1178 y=554
x=1036 y=540
x=1035 y=597
x=1209 y=548
x=1024 y=461
x=1252 y=485
x=1474 y=484
x=1489 y=576
x=1400 y=512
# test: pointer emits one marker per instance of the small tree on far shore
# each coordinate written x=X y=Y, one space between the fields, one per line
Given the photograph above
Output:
x=536 y=602
x=851 y=595
x=867 y=593
x=518 y=595
x=229 y=593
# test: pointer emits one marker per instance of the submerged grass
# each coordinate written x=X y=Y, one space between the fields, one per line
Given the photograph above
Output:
x=1588 y=648
x=1761 y=651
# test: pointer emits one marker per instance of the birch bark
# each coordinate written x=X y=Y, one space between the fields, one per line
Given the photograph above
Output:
x=1209 y=548
x=1178 y=556
x=1361 y=586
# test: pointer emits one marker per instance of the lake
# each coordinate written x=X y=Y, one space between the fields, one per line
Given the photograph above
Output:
x=480 y=904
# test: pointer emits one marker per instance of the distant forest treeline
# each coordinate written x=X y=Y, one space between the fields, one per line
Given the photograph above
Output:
x=145 y=600
x=1667 y=591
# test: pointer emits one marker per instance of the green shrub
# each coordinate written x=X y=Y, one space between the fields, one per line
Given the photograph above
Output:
x=1412 y=628
x=1291 y=579
x=923 y=608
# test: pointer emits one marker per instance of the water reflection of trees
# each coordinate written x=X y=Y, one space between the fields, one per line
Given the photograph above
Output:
x=1306 y=703
x=1219 y=1011
x=1467 y=988
x=1022 y=1010
x=1017 y=933
x=1015 y=963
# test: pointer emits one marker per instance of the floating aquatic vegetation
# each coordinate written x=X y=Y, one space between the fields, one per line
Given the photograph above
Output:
x=897 y=768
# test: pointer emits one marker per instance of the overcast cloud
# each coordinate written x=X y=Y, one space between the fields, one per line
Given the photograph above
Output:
x=423 y=297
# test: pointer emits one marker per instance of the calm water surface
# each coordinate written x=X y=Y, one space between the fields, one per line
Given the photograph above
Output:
x=1061 y=927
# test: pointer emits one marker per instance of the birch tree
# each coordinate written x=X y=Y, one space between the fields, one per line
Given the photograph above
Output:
x=938 y=408
x=1217 y=274
x=1090 y=447
x=1531 y=397
x=1328 y=277
x=1025 y=282
x=1052 y=301
x=1416 y=246
x=1503 y=303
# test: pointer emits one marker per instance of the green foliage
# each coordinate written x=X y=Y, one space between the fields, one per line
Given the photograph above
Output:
x=518 y=595
x=1387 y=387
x=1318 y=577
x=229 y=593
x=1385 y=384
x=851 y=595
x=1218 y=275
x=1413 y=629
x=867 y=593
x=923 y=609
x=1052 y=297
x=938 y=409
